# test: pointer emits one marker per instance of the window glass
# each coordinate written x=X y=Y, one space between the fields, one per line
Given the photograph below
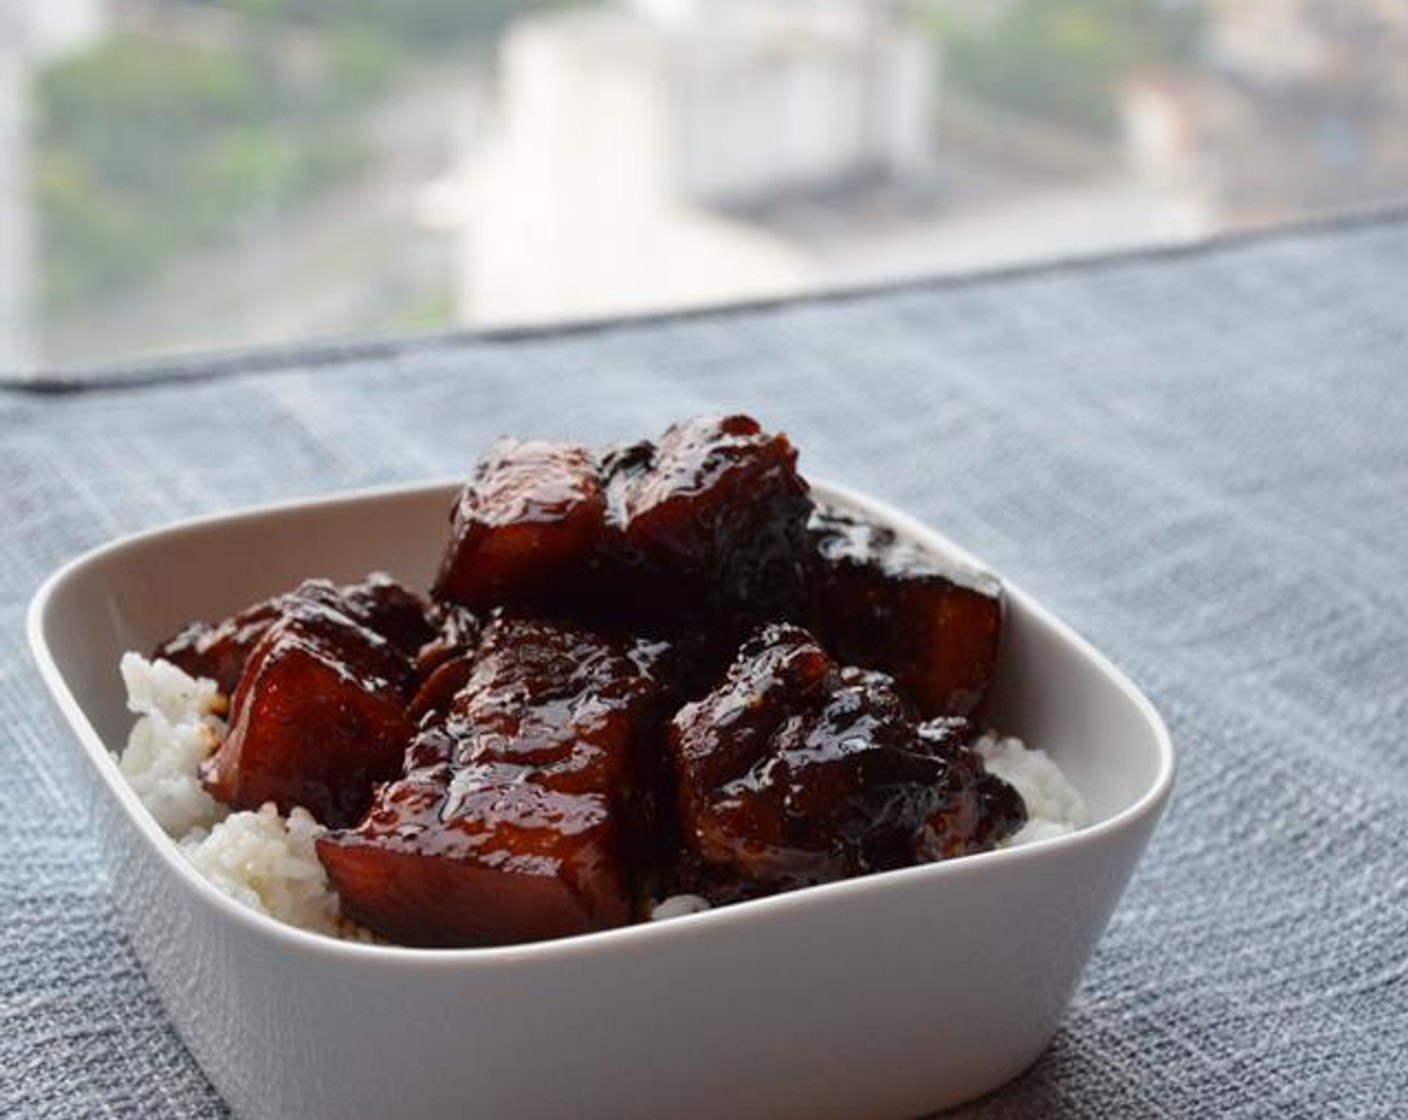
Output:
x=190 y=174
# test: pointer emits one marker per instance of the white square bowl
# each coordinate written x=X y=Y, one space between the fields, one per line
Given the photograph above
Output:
x=883 y=997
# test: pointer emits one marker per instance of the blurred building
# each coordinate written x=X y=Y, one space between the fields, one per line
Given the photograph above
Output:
x=631 y=137
x=31 y=34
x=1270 y=42
x=1307 y=109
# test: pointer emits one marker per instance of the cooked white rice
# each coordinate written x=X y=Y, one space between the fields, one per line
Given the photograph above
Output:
x=269 y=862
x=177 y=729
x=1054 y=806
x=262 y=859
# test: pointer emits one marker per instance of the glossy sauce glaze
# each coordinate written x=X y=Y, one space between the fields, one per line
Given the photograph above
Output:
x=319 y=709
x=218 y=651
x=880 y=602
x=796 y=770
x=654 y=669
x=518 y=802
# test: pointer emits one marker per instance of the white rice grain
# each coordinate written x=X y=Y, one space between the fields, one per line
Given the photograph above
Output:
x=1054 y=806
x=262 y=859
x=177 y=730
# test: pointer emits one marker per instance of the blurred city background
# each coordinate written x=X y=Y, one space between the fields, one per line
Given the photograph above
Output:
x=183 y=174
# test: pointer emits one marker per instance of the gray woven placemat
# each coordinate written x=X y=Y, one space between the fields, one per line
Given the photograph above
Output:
x=1200 y=460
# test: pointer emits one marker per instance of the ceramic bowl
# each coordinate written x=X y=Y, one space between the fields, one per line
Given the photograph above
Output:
x=884 y=997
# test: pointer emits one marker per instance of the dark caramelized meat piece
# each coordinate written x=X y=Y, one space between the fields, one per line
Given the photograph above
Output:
x=380 y=604
x=711 y=522
x=886 y=605
x=976 y=809
x=508 y=859
x=719 y=508
x=797 y=771
x=317 y=718
x=516 y=814
x=494 y=776
x=218 y=651
x=455 y=633
x=439 y=688
x=529 y=521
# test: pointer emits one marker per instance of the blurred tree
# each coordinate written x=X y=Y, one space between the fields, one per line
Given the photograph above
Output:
x=1064 y=60
x=149 y=150
x=363 y=65
x=425 y=25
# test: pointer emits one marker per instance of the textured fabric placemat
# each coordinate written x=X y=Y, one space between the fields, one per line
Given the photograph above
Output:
x=1199 y=459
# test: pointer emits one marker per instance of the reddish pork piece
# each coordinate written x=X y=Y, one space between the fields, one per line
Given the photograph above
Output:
x=383 y=606
x=796 y=771
x=512 y=762
x=525 y=528
x=519 y=816
x=319 y=715
x=717 y=513
x=886 y=605
x=218 y=651
x=712 y=520
x=976 y=811
x=456 y=632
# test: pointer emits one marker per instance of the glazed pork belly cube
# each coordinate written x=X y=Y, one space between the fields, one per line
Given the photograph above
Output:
x=218 y=651
x=516 y=818
x=526 y=528
x=318 y=715
x=380 y=604
x=494 y=855
x=455 y=632
x=716 y=513
x=796 y=770
x=976 y=810
x=883 y=604
x=443 y=663
x=709 y=521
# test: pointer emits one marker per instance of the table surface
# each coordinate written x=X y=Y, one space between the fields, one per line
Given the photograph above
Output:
x=1199 y=459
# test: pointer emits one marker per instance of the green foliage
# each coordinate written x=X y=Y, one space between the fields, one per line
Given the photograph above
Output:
x=362 y=64
x=1064 y=60
x=428 y=311
x=94 y=240
x=425 y=25
x=149 y=150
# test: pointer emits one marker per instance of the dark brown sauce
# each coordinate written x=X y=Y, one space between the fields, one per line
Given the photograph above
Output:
x=655 y=669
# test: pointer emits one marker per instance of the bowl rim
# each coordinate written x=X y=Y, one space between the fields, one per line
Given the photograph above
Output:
x=97 y=754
